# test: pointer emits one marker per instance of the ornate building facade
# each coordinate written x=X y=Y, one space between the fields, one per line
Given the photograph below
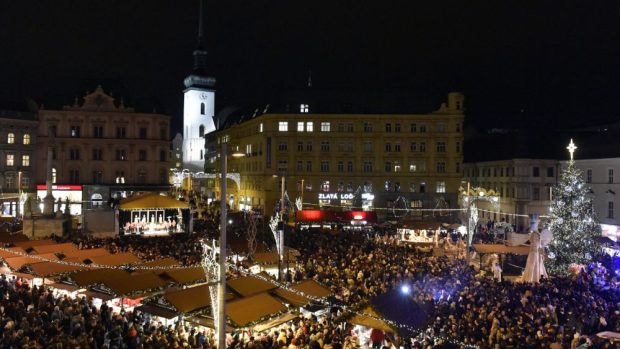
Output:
x=411 y=160
x=102 y=143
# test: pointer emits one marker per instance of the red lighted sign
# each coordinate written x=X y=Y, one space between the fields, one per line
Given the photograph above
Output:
x=60 y=187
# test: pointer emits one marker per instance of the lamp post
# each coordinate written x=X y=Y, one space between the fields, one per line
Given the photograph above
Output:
x=221 y=294
x=280 y=241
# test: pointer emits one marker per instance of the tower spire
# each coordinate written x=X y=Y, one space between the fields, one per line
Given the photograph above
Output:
x=201 y=25
x=199 y=75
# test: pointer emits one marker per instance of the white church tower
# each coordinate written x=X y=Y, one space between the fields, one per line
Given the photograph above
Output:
x=198 y=105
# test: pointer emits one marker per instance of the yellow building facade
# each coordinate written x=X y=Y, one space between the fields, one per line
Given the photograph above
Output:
x=395 y=160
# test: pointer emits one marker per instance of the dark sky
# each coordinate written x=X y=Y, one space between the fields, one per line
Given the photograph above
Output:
x=536 y=62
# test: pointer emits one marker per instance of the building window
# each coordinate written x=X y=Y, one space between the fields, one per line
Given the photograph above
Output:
x=397 y=147
x=350 y=166
x=325 y=126
x=388 y=147
x=550 y=172
x=367 y=166
x=589 y=176
x=74 y=154
x=120 y=155
x=414 y=128
x=440 y=187
x=25 y=160
x=442 y=127
x=610 y=209
x=413 y=146
x=142 y=155
x=97 y=154
x=441 y=147
x=283 y=146
x=458 y=146
x=300 y=146
x=536 y=171
x=422 y=147
x=324 y=166
x=303 y=108
x=610 y=175
x=26 y=139
x=75 y=131
x=388 y=166
x=458 y=167
x=300 y=126
x=441 y=167
x=387 y=185
x=9 y=181
x=10 y=138
x=536 y=193
x=324 y=146
x=282 y=165
x=325 y=186
x=367 y=127
x=412 y=187
x=97 y=177
x=309 y=126
x=367 y=147
x=423 y=128
x=300 y=165
x=396 y=166
x=141 y=176
x=201 y=131
x=120 y=177
x=309 y=146
x=309 y=166
x=74 y=176
x=142 y=132
x=388 y=127
x=397 y=127
x=340 y=166
x=54 y=175
x=422 y=187
x=121 y=132
x=260 y=127
x=162 y=155
x=283 y=126
x=98 y=131
x=202 y=109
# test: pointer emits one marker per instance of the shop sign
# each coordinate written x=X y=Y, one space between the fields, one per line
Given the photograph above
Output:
x=336 y=196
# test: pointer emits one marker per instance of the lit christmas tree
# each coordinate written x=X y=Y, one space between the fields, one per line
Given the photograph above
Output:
x=573 y=222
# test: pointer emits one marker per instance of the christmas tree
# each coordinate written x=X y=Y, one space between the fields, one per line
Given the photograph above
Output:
x=573 y=222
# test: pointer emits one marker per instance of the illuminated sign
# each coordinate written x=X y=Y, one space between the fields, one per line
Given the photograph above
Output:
x=60 y=187
x=336 y=196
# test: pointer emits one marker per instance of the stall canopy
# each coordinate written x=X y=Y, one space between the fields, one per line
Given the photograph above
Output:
x=247 y=310
x=132 y=284
x=151 y=200
x=55 y=248
x=371 y=319
x=17 y=262
x=312 y=288
x=249 y=285
x=85 y=278
x=7 y=254
x=501 y=249
x=47 y=269
x=291 y=298
x=185 y=275
x=189 y=299
x=275 y=322
x=86 y=254
x=115 y=259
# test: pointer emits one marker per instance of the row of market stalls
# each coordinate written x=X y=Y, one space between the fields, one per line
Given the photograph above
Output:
x=163 y=288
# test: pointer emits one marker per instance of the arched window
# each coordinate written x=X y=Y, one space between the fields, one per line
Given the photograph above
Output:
x=26 y=138
x=53 y=175
x=201 y=130
x=202 y=109
x=142 y=176
x=10 y=138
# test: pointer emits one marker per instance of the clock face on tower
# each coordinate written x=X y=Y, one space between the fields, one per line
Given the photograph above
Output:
x=204 y=96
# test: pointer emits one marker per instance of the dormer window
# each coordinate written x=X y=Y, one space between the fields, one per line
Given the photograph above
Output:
x=304 y=108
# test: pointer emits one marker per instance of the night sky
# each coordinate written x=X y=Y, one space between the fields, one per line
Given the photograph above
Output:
x=518 y=63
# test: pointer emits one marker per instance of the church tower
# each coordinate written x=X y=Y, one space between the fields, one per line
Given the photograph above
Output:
x=198 y=105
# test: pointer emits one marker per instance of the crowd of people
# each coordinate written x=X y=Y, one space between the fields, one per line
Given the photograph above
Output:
x=467 y=307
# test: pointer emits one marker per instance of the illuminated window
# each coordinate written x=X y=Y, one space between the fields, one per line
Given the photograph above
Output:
x=26 y=138
x=304 y=108
x=10 y=160
x=260 y=127
x=300 y=126
x=441 y=187
x=10 y=138
x=54 y=175
x=75 y=131
x=325 y=186
x=412 y=187
x=325 y=126
x=309 y=126
x=282 y=126
x=25 y=160
x=387 y=185
x=396 y=166
x=120 y=155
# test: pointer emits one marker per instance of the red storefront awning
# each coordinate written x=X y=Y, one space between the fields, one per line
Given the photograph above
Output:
x=318 y=216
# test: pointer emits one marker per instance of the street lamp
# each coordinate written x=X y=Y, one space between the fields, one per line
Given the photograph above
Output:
x=221 y=319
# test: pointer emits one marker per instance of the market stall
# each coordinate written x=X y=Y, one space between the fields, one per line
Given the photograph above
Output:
x=152 y=214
